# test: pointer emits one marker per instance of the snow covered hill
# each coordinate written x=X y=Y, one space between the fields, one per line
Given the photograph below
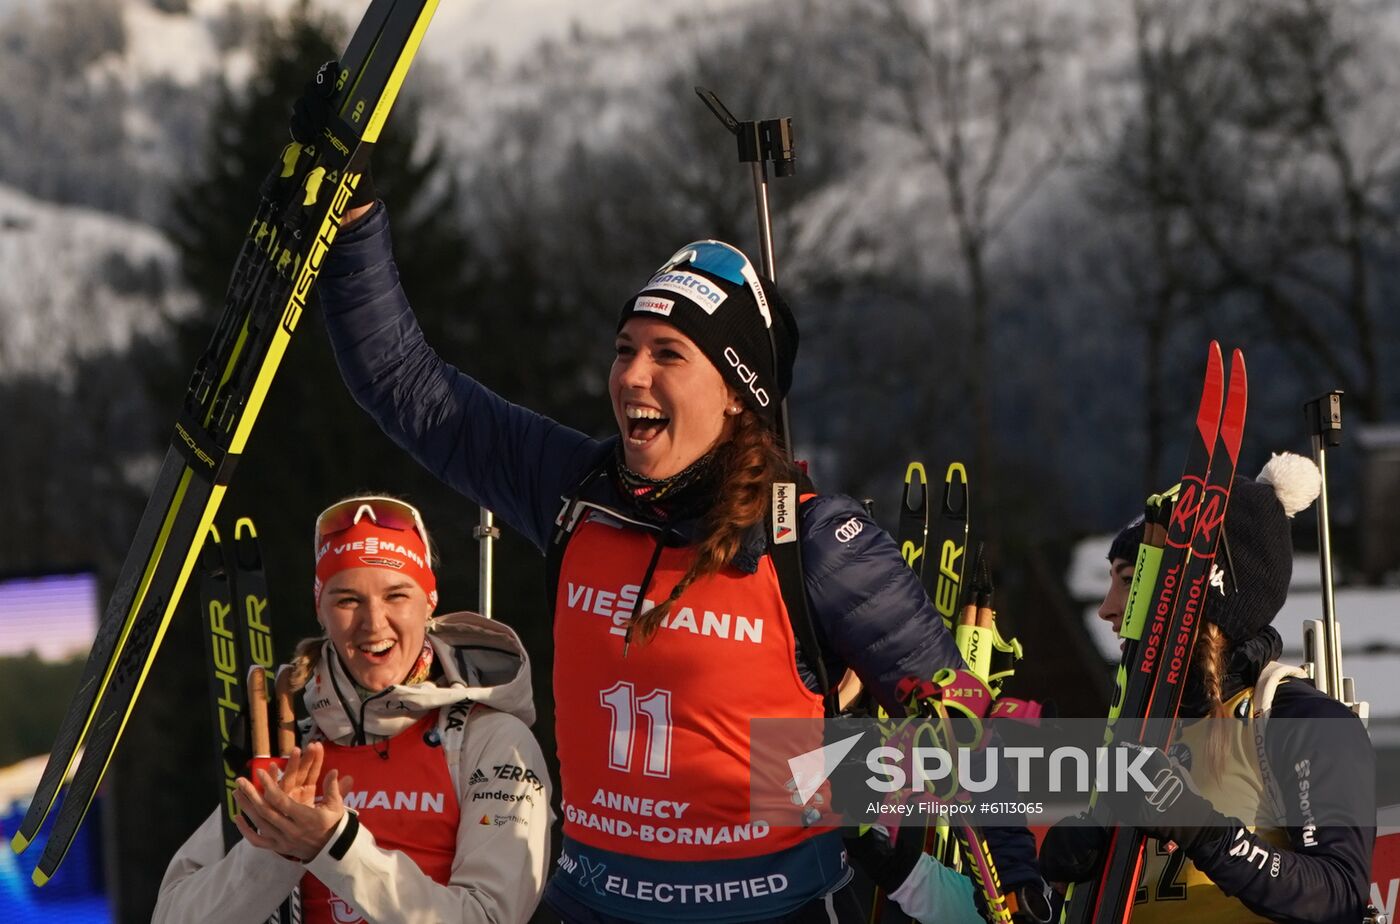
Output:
x=75 y=282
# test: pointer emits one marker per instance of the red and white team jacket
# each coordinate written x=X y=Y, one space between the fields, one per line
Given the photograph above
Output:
x=452 y=796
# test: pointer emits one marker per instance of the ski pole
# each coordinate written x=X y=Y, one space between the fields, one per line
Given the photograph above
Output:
x=486 y=533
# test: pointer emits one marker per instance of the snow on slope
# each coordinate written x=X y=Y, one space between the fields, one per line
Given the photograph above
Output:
x=77 y=282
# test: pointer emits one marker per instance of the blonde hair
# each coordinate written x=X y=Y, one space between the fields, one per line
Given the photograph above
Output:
x=749 y=462
x=305 y=660
x=1211 y=650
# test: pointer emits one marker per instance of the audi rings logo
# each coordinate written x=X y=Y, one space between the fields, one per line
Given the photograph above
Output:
x=849 y=530
x=746 y=375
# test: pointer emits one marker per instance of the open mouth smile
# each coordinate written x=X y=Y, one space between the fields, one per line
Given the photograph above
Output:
x=644 y=424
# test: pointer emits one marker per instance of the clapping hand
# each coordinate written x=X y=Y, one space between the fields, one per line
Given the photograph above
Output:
x=285 y=817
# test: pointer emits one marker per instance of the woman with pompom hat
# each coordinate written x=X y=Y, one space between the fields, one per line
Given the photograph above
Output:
x=1271 y=815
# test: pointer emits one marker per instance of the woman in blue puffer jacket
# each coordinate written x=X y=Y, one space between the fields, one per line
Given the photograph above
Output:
x=661 y=545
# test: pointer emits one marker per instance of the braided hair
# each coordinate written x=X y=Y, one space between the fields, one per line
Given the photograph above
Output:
x=749 y=462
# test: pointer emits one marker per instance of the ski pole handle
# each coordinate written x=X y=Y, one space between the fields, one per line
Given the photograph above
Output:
x=262 y=758
x=286 y=712
x=257 y=711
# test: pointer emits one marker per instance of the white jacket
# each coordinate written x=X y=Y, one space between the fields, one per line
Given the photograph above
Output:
x=499 y=871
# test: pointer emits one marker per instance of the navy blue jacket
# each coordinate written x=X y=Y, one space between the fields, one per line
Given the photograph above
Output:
x=870 y=611
x=1325 y=769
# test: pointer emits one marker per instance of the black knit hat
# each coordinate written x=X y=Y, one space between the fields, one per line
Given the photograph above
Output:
x=700 y=292
x=1125 y=544
x=1254 y=563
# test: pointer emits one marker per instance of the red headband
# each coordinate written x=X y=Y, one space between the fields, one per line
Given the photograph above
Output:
x=369 y=545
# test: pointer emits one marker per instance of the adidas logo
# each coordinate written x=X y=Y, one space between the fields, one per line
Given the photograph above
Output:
x=477 y=777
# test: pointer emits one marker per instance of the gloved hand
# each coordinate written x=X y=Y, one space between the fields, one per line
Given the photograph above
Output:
x=313 y=113
x=935 y=894
x=923 y=888
x=850 y=796
x=1073 y=850
x=885 y=860
x=1033 y=905
x=1174 y=810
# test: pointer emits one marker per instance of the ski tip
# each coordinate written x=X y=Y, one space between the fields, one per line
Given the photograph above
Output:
x=19 y=842
x=244 y=525
x=1232 y=423
x=1212 y=396
x=39 y=878
x=915 y=467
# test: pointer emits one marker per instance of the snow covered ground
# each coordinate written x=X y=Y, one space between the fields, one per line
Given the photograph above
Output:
x=1369 y=618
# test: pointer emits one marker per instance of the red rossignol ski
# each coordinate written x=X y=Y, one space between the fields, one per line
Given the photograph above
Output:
x=1154 y=665
x=1124 y=864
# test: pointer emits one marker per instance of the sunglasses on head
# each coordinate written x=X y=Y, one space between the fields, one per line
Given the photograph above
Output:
x=720 y=259
x=384 y=511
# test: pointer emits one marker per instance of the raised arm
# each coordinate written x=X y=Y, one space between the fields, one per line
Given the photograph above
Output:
x=498 y=454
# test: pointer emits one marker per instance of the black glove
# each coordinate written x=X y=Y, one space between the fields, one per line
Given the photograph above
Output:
x=850 y=796
x=314 y=112
x=1033 y=905
x=1073 y=851
x=888 y=862
x=1174 y=810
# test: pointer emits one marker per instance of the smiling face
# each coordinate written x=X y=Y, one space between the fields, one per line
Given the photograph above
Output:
x=1120 y=581
x=376 y=619
x=670 y=402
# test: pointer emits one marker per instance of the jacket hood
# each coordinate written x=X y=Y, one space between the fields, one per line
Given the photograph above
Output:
x=481 y=660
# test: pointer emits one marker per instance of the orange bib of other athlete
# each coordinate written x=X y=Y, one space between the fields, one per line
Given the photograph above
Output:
x=404 y=795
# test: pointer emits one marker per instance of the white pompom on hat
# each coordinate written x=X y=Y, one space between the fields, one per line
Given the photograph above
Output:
x=1295 y=479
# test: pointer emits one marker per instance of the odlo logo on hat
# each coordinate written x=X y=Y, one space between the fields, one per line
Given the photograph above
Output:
x=746 y=375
